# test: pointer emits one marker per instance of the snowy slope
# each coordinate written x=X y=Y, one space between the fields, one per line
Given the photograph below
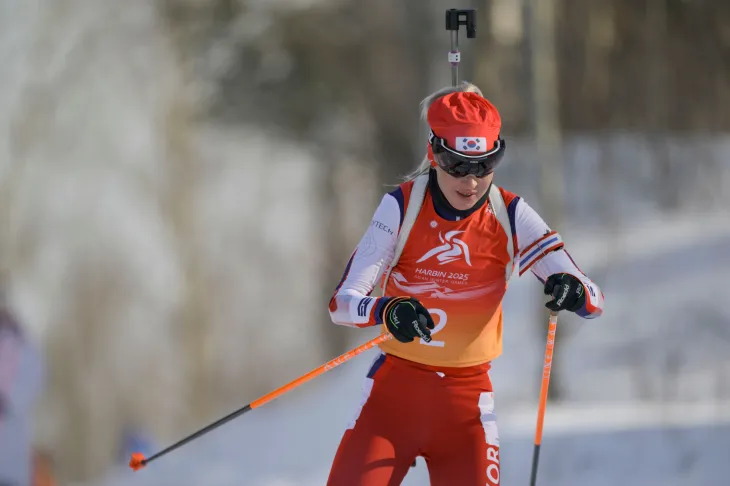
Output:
x=290 y=442
x=634 y=417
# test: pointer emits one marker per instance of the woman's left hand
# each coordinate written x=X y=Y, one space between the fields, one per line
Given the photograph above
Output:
x=567 y=291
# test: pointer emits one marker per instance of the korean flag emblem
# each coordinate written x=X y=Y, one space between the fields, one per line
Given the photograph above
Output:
x=474 y=144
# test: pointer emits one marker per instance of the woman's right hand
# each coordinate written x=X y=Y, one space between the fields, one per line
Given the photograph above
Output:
x=407 y=319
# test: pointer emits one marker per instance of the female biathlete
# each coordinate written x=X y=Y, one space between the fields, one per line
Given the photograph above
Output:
x=429 y=393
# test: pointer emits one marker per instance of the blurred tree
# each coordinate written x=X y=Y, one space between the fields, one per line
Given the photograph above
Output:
x=612 y=53
x=179 y=201
x=361 y=66
x=547 y=132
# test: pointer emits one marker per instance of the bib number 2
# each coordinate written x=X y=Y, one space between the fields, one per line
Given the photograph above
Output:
x=439 y=326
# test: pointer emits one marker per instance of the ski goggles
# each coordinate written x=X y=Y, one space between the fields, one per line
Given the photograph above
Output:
x=461 y=165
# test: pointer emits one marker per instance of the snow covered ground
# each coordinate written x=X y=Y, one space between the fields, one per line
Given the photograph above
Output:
x=291 y=441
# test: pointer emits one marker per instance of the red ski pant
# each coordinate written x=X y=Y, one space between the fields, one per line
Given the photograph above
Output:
x=445 y=415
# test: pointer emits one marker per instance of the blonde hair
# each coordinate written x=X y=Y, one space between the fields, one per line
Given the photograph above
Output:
x=466 y=87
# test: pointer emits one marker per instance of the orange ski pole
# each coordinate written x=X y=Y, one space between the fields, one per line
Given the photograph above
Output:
x=138 y=460
x=547 y=366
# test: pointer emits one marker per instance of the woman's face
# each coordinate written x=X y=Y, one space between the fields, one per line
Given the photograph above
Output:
x=462 y=192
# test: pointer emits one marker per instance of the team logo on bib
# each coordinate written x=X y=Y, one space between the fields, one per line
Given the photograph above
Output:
x=450 y=250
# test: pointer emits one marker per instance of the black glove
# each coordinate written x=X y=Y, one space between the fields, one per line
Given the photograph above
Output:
x=407 y=319
x=567 y=292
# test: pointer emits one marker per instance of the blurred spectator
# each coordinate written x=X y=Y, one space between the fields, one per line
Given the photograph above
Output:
x=20 y=386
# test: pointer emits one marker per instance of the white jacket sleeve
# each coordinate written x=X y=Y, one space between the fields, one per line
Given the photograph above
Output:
x=542 y=251
x=351 y=305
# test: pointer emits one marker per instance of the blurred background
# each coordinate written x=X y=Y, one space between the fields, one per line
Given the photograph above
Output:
x=183 y=181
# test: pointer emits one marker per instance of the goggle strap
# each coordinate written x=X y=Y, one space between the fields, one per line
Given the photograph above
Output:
x=432 y=138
